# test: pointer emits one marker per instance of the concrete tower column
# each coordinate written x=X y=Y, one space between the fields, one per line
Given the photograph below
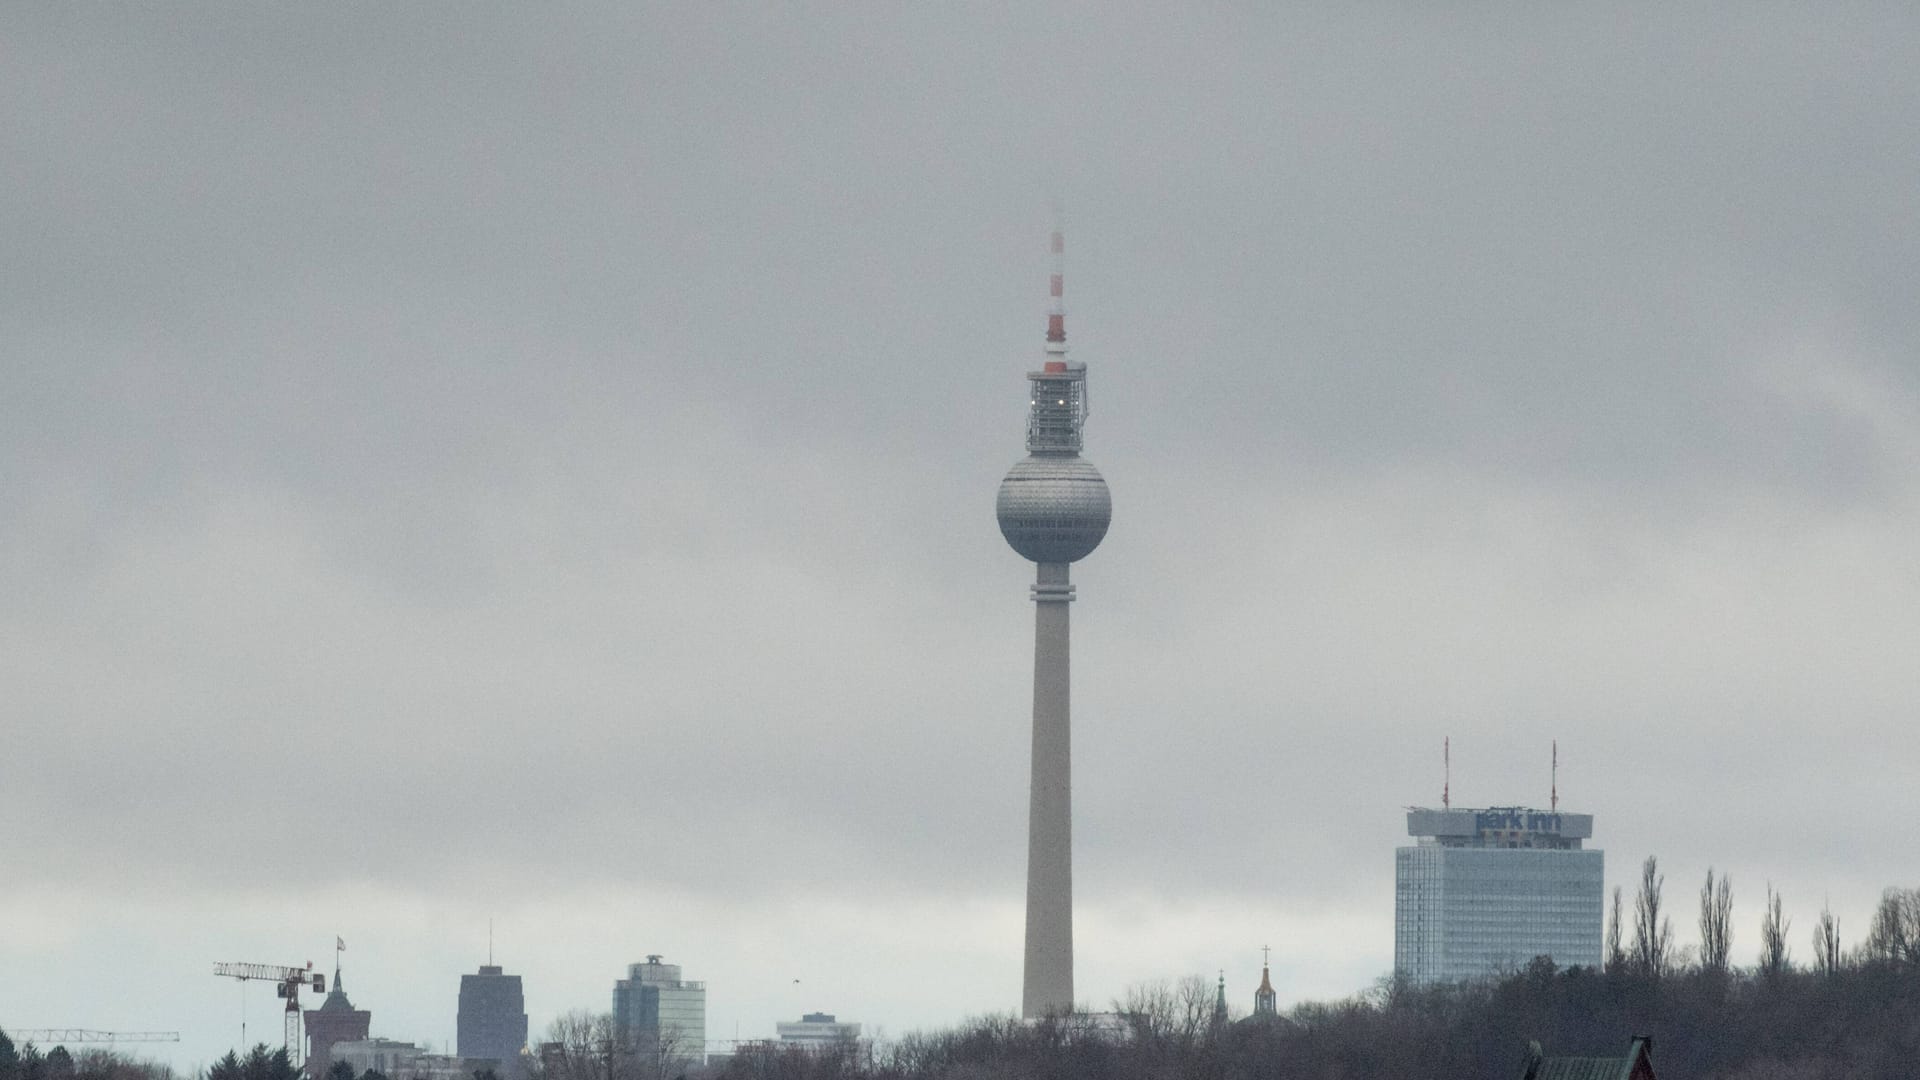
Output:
x=1048 y=981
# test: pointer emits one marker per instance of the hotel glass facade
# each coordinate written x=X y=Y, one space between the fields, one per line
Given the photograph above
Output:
x=1486 y=891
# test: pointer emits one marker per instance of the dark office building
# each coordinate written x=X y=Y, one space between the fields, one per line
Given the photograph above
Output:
x=493 y=1020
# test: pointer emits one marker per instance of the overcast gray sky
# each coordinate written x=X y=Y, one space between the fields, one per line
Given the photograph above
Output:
x=538 y=464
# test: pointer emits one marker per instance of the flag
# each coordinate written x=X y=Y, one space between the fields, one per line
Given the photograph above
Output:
x=339 y=944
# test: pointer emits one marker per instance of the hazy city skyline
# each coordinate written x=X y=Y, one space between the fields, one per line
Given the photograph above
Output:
x=504 y=463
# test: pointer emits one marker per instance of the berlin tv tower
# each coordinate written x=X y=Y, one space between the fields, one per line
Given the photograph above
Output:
x=1054 y=510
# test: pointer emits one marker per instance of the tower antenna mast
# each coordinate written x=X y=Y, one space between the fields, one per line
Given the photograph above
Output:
x=1446 y=772
x=1057 y=305
x=1556 y=776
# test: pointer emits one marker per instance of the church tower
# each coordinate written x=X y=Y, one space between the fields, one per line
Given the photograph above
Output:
x=1265 y=1001
x=335 y=1021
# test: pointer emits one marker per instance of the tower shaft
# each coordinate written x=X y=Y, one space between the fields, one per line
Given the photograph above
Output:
x=1048 y=983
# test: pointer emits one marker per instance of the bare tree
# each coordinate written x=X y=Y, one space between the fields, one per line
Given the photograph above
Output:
x=1886 y=935
x=1196 y=1008
x=1165 y=1013
x=1826 y=943
x=1716 y=923
x=1616 y=949
x=1895 y=934
x=585 y=1045
x=665 y=1054
x=1774 y=958
x=1652 y=929
x=1148 y=1009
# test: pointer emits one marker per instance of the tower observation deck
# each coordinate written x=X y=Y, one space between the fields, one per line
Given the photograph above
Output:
x=1053 y=509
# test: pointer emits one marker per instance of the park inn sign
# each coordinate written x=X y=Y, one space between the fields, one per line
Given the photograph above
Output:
x=1515 y=819
x=1466 y=825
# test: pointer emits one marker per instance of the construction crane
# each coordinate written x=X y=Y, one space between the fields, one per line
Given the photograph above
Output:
x=76 y=1036
x=287 y=981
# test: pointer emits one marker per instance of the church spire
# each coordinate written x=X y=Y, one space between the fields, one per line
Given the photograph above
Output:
x=1220 y=1000
x=337 y=993
x=1265 y=1001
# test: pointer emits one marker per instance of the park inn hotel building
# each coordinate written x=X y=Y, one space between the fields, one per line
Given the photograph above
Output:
x=1485 y=891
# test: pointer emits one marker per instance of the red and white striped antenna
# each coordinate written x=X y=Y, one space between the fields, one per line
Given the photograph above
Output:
x=1057 y=309
x=1556 y=776
x=1446 y=766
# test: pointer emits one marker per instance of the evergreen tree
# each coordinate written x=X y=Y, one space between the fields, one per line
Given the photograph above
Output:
x=259 y=1064
x=227 y=1068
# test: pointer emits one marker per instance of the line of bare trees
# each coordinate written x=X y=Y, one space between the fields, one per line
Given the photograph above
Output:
x=1798 y=1026
x=1892 y=938
x=585 y=1045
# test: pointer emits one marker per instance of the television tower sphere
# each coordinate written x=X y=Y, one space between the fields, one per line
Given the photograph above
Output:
x=1054 y=508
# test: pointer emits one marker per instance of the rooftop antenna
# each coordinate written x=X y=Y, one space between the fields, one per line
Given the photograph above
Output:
x=489 y=942
x=1446 y=765
x=1556 y=776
